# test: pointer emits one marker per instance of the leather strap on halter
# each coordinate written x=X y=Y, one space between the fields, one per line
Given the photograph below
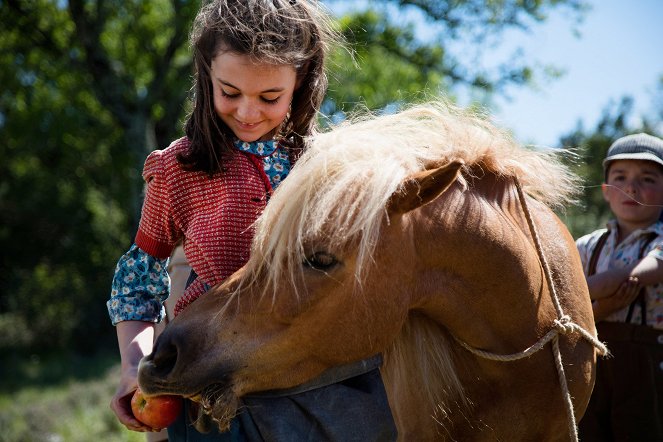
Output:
x=640 y=299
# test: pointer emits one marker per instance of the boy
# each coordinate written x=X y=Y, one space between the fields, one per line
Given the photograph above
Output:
x=624 y=269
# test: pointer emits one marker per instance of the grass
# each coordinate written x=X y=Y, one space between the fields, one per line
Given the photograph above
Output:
x=60 y=398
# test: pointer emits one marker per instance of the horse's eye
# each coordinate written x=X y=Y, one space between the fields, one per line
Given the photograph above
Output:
x=320 y=261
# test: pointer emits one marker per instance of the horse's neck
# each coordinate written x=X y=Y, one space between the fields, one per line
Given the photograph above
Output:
x=481 y=282
x=488 y=265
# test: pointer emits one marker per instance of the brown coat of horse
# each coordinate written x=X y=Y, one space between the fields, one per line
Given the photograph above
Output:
x=403 y=235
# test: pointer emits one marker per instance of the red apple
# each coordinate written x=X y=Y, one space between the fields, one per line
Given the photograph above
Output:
x=156 y=412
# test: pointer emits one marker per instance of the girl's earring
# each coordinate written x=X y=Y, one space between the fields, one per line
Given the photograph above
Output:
x=284 y=128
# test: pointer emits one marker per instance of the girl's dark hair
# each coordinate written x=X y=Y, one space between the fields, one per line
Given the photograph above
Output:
x=282 y=32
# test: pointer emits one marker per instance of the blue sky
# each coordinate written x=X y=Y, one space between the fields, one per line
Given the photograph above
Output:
x=617 y=51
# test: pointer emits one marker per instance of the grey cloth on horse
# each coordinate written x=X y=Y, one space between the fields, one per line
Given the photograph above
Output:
x=354 y=407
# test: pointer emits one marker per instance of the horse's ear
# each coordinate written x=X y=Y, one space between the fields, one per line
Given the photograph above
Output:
x=423 y=187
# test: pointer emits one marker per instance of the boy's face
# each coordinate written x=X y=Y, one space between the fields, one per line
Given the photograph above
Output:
x=634 y=191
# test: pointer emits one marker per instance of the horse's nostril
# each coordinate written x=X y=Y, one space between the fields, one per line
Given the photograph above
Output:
x=164 y=358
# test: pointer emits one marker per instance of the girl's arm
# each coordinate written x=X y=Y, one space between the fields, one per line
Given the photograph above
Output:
x=140 y=285
x=135 y=341
x=648 y=271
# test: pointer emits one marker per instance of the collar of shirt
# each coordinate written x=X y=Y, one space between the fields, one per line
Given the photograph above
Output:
x=276 y=162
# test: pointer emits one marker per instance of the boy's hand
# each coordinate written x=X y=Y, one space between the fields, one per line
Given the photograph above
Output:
x=624 y=296
x=605 y=284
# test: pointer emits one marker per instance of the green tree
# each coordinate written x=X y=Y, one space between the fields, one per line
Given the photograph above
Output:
x=89 y=87
x=397 y=65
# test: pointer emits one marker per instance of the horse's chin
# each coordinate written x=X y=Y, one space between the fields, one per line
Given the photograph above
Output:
x=216 y=403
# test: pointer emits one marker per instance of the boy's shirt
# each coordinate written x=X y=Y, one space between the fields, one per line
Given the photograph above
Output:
x=624 y=254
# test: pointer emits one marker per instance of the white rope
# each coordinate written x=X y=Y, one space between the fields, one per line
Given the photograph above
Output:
x=562 y=325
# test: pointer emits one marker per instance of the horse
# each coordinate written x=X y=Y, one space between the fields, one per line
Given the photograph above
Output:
x=427 y=236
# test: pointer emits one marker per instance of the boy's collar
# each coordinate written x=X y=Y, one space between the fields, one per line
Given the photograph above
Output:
x=656 y=227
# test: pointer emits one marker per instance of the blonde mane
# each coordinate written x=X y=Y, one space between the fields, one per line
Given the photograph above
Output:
x=338 y=190
x=336 y=196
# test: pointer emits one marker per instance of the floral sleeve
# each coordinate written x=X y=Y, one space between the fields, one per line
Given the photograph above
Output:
x=140 y=286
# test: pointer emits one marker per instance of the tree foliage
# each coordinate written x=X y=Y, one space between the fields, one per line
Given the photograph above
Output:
x=398 y=66
x=87 y=92
x=89 y=87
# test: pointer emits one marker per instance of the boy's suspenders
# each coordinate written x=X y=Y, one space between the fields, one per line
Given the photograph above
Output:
x=640 y=299
x=591 y=269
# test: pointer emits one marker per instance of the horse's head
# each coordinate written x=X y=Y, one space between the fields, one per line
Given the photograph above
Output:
x=286 y=317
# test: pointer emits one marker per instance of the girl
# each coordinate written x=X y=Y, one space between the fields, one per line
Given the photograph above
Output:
x=259 y=80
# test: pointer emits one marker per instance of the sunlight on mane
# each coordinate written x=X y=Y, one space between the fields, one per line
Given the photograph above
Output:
x=338 y=190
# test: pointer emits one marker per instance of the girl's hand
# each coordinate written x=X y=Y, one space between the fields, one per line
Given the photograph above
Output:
x=135 y=340
x=624 y=296
x=121 y=402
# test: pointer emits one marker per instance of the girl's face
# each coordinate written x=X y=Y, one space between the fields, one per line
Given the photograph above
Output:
x=634 y=192
x=253 y=99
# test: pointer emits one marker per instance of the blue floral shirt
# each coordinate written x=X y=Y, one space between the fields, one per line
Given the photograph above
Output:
x=141 y=282
x=140 y=286
x=275 y=159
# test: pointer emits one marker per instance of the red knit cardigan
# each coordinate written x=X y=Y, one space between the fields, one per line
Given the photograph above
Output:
x=214 y=214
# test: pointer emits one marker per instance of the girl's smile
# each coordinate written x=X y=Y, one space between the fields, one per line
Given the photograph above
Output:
x=247 y=126
x=253 y=99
